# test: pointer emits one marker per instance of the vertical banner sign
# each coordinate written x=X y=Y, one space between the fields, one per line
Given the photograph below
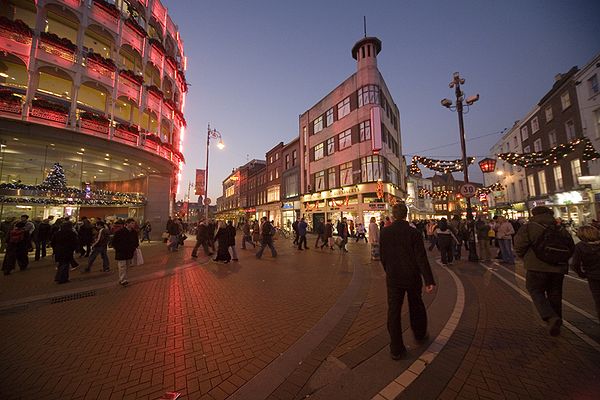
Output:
x=200 y=182
x=376 y=128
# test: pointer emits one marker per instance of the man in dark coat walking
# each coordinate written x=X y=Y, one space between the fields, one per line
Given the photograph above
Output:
x=125 y=242
x=202 y=239
x=406 y=265
x=64 y=242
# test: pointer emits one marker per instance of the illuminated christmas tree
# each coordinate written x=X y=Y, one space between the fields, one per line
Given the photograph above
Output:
x=56 y=177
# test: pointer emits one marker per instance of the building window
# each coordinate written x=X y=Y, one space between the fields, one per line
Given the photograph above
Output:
x=576 y=171
x=558 y=180
x=270 y=176
x=537 y=145
x=368 y=94
x=549 y=114
x=531 y=185
x=320 y=181
x=276 y=156
x=371 y=168
x=329 y=117
x=524 y=133
x=294 y=157
x=319 y=151
x=273 y=194
x=392 y=174
x=593 y=85
x=521 y=189
x=331 y=178
x=291 y=186
x=542 y=182
x=365 y=130
x=287 y=161
x=343 y=108
x=318 y=125
x=515 y=142
x=526 y=149
x=276 y=173
x=271 y=160
x=330 y=146
x=535 y=125
x=565 y=100
x=346 y=174
x=597 y=122
x=570 y=129
x=552 y=138
x=344 y=140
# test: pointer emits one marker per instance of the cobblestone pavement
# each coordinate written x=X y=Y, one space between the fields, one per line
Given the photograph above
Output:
x=306 y=324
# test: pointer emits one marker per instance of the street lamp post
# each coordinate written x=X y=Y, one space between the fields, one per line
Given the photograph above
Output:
x=211 y=134
x=455 y=84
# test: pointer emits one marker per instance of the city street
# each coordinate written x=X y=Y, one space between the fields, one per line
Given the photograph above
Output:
x=307 y=324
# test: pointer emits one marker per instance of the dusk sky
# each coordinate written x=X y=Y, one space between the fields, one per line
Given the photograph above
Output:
x=254 y=66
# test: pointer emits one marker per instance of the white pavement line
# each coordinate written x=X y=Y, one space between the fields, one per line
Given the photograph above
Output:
x=566 y=303
x=398 y=385
x=595 y=345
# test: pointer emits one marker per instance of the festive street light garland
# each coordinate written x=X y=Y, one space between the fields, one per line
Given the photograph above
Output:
x=438 y=194
x=66 y=201
x=496 y=187
x=551 y=156
x=443 y=166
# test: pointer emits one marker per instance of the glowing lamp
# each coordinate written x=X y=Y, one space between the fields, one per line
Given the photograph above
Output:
x=221 y=145
x=487 y=165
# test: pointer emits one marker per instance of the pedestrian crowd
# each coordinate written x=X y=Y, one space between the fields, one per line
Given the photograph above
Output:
x=89 y=238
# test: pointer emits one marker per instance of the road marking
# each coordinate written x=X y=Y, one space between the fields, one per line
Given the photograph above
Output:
x=566 y=303
x=595 y=345
x=398 y=385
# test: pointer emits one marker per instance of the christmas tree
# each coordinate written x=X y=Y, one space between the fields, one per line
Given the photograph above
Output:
x=56 y=177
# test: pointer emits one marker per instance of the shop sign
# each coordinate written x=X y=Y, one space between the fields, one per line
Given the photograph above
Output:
x=377 y=206
x=250 y=210
x=519 y=207
x=535 y=203
x=568 y=198
x=287 y=205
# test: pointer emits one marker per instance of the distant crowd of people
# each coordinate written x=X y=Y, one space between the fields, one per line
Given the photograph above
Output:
x=89 y=238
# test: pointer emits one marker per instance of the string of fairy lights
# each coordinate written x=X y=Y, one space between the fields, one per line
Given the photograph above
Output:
x=551 y=156
x=443 y=166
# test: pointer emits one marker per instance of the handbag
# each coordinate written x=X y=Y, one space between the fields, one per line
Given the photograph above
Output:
x=491 y=233
x=138 y=258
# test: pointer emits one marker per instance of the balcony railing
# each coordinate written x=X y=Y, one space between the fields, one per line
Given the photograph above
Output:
x=105 y=15
x=16 y=43
x=133 y=37
x=100 y=72
x=60 y=118
x=153 y=102
x=129 y=88
x=71 y=3
x=53 y=53
x=156 y=56
x=125 y=136
x=12 y=107
x=159 y=12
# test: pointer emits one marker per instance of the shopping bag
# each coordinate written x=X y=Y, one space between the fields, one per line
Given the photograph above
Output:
x=375 y=251
x=138 y=259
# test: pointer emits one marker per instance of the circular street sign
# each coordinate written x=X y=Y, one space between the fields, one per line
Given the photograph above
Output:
x=207 y=201
x=468 y=190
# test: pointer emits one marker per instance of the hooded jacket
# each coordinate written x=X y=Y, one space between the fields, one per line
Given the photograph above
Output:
x=526 y=238
x=586 y=260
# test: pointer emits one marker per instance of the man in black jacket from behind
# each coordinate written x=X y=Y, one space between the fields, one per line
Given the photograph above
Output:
x=406 y=266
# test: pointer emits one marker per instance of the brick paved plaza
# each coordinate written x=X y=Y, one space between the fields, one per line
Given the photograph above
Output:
x=308 y=324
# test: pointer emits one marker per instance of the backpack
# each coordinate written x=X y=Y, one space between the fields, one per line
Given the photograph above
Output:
x=554 y=246
x=16 y=235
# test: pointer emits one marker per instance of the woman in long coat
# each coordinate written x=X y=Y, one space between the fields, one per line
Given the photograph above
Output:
x=222 y=237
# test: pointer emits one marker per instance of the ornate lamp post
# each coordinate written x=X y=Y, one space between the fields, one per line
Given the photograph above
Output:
x=487 y=165
x=460 y=97
x=211 y=134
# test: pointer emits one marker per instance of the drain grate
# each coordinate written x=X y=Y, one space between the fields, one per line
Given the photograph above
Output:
x=74 y=296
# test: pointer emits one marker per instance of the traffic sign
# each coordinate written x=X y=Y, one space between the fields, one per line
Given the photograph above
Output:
x=207 y=201
x=468 y=190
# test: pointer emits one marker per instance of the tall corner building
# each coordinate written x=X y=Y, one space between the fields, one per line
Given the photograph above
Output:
x=99 y=88
x=351 y=148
